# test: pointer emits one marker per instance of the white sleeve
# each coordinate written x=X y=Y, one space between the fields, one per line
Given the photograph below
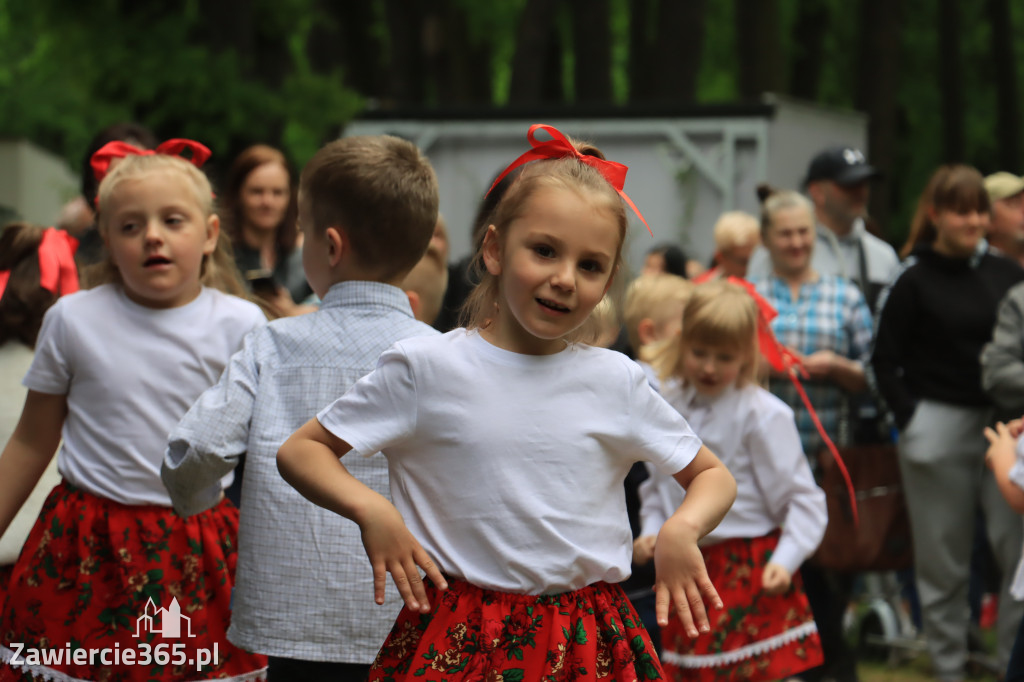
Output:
x=784 y=478
x=51 y=371
x=658 y=433
x=379 y=410
x=208 y=442
x=1017 y=470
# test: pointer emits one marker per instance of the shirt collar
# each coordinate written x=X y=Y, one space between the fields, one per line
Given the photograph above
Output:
x=364 y=293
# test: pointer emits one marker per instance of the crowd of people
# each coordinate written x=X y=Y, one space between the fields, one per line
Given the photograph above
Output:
x=268 y=400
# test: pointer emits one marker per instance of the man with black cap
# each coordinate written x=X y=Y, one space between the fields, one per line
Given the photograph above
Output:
x=837 y=183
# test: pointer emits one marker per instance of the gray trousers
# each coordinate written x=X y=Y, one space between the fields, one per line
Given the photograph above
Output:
x=942 y=458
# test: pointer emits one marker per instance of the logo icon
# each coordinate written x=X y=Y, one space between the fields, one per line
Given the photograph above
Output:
x=169 y=620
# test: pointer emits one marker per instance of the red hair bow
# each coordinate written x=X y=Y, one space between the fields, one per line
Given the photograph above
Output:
x=57 y=270
x=782 y=360
x=101 y=160
x=558 y=147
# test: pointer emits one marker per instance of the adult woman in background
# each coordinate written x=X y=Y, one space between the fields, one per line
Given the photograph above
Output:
x=260 y=213
x=933 y=323
x=824 y=320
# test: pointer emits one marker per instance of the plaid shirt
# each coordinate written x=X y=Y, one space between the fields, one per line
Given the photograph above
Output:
x=303 y=586
x=829 y=314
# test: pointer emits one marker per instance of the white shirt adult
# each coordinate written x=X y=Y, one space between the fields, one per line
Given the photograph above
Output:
x=509 y=468
x=754 y=435
x=129 y=373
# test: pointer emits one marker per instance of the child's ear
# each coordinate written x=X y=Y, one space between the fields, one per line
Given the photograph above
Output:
x=337 y=245
x=212 y=234
x=645 y=331
x=414 y=302
x=491 y=251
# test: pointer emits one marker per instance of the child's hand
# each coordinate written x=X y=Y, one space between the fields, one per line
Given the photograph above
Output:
x=643 y=549
x=1002 y=446
x=393 y=549
x=775 y=579
x=682 y=578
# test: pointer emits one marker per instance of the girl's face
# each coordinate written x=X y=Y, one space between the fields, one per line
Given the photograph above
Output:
x=790 y=240
x=265 y=196
x=555 y=265
x=711 y=369
x=957 y=233
x=157 y=234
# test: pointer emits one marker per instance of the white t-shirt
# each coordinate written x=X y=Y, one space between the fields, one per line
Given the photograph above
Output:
x=509 y=468
x=754 y=435
x=130 y=373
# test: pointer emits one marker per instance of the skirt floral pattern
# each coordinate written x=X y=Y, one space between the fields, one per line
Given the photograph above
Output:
x=491 y=636
x=95 y=574
x=755 y=636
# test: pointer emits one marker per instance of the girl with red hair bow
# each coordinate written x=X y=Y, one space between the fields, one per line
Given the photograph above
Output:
x=115 y=368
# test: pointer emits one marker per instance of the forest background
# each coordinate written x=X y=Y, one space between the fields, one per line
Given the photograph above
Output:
x=939 y=79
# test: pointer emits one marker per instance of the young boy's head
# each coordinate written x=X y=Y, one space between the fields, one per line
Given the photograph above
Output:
x=426 y=283
x=654 y=308
x=367 y=210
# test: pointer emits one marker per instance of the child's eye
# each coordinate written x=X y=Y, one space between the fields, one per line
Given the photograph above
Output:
x=544 y=251
x=174 y=220
x=591 y=266
x=129 y=227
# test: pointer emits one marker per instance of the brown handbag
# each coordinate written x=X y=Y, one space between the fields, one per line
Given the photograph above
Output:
x=882 y=540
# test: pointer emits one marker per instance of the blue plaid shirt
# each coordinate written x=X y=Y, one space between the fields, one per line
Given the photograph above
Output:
x=829 y=314
x=303 y=587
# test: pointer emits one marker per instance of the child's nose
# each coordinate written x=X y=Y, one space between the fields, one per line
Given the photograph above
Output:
x=564 y=276
x=154 y=231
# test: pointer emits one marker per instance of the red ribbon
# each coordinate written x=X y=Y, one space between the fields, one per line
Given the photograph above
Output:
x=558 y=148
x=782 y=360
x=57 y=270
x=101 y=160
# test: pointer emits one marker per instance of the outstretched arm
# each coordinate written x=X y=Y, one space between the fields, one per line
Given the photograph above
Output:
x=309 y=461
x=681 y=575
x=29 y=451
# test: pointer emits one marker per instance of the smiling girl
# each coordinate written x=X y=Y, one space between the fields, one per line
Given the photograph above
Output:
x=935 y=319
x=508 y=443
x=115 y=368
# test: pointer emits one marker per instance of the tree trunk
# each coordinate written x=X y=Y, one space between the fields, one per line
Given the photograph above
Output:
x=678 y=50
x=405 y=67
x=812 y=23
x=759 y=46
x=951 y=82
x=877 y=95
x=344 y=38
x=1005 y=72
x=642 y=76
x=532 y=52
x=592 y=74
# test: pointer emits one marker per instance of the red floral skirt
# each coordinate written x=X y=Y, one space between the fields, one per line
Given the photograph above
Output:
x=473 y=634
x=756 y=636
x=147 y=587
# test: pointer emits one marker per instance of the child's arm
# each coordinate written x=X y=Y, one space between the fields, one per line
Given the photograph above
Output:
x=209 y=440
x=679 y=566
x=310 y=461
x=29 y=450
x=1001 y=458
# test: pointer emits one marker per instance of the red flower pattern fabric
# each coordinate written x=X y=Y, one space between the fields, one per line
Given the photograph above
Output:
x=490 y=636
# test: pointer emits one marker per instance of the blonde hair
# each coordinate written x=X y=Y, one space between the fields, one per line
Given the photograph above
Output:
x=734 y=229
x=649 y=297
x=567 y=173
x=218 y=269
x=719 y=314
x=780 y=201
x=605 y=321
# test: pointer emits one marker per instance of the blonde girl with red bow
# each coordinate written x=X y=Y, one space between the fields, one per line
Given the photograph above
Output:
x=112 y=584
x=508 y=442
x=766 y=630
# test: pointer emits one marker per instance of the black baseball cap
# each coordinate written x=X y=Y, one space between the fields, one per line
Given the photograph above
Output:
x=842 y=165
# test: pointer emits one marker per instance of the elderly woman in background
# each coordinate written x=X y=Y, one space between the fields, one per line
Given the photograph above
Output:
x=824 y=321
x=260 y=214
